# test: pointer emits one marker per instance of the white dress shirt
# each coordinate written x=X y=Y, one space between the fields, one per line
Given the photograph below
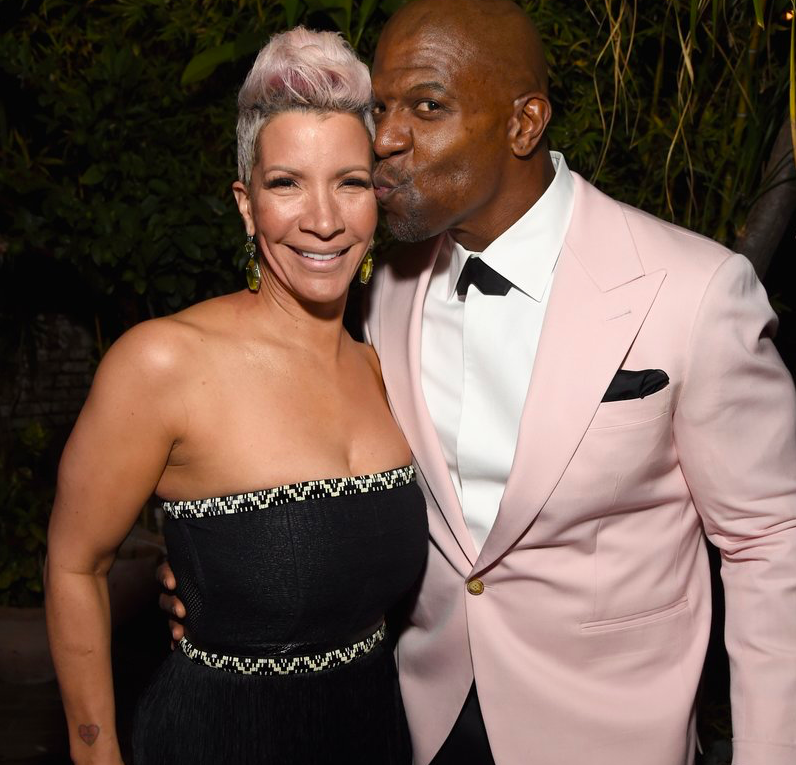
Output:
x=477 y=352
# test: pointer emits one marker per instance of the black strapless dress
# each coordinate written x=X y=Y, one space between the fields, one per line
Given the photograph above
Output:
x=285 y=659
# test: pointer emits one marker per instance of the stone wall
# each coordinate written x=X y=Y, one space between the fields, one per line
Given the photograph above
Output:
x=53 y=392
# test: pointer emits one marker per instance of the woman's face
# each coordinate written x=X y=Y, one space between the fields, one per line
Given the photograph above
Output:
x=310 y=203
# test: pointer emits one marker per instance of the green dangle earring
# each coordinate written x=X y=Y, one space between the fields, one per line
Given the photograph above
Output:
x=366 y=269
x=253 y=276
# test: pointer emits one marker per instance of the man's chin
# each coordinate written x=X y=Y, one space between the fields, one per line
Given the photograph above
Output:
x=405 y=232
x=407 y=228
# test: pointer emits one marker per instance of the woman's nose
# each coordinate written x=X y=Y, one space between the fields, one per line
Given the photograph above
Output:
x=322 y=216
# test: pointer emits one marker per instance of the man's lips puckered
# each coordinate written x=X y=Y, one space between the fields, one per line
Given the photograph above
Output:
x=383 y=191
x=384 y=185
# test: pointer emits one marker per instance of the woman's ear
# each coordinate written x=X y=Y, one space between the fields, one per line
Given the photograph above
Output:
x=241 y=193
x=532 y=112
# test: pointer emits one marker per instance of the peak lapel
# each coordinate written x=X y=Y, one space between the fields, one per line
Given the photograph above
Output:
x=600 y=298
x=400 y=332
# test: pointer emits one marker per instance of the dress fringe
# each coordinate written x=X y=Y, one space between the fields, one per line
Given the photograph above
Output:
x=197 y=715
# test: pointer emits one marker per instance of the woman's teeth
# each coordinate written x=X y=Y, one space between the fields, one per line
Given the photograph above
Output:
x=319 y=256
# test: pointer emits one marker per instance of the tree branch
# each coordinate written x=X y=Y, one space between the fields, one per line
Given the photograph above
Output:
x=773 y=209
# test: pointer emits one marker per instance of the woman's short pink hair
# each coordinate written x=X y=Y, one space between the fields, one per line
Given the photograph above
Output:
x=305 y=71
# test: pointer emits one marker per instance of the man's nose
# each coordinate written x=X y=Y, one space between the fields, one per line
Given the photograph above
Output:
x=392 y=136
x=322 y=216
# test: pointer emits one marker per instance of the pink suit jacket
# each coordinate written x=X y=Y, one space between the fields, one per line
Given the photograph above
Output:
x=588 y=640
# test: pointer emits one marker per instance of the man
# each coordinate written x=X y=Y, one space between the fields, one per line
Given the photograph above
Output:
x=567 y=579
x=584 y=401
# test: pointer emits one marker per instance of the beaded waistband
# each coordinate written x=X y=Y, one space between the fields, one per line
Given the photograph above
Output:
x=284 y=665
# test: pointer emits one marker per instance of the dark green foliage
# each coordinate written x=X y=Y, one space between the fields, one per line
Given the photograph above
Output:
x=670 y=106
x=23 y=520
x=111 y=164
x=117 y=123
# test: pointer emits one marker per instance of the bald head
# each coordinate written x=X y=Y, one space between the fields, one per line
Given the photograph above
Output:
x=461 y=110
x=497 y=34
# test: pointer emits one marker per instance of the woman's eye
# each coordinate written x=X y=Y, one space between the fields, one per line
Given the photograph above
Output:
x=358 y=182
x=280 y=183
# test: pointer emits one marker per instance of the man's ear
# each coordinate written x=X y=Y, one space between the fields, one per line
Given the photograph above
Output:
x=532 y=112
x=244 y=205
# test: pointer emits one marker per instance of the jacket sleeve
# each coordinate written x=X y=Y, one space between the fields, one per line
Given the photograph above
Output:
x=735 y=433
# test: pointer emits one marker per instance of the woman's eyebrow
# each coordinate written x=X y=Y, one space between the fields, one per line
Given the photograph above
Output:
x=282 y=169
x=354 y=169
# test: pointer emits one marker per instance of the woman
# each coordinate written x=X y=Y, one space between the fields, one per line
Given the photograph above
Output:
x=293 y=518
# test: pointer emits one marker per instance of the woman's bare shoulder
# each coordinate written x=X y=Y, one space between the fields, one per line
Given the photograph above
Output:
x=216 y=314
x=170 y=346
x=152 y=347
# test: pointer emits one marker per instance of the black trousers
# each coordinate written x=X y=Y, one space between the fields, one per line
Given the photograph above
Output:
x=467 y=743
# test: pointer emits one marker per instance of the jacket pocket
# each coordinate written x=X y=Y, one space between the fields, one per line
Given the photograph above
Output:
x=635 y=620
x=614 y=414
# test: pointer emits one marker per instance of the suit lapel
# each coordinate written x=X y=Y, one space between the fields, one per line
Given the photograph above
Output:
x=599 y=300
x=400 y=333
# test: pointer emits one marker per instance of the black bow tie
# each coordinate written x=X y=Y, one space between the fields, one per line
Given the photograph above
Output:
x=488 y=281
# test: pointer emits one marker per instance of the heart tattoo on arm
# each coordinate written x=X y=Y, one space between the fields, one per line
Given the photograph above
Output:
x=88 y=733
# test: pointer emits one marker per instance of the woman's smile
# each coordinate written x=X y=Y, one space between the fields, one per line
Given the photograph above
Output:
x=318 y=255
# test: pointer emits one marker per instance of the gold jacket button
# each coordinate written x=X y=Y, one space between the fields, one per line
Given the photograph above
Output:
x=475 y=587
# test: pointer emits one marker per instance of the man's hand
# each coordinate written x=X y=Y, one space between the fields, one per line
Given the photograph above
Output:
x=169 y=602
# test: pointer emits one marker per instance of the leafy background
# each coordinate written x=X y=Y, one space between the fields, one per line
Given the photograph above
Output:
x=117 y=129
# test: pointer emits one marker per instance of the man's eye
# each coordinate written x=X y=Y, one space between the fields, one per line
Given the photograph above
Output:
x=428 y=105
x=377 y=110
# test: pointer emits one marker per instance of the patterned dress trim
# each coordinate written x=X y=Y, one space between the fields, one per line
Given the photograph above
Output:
x=284 y=665
x=292 y=492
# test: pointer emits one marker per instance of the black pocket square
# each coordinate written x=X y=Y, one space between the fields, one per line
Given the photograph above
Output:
x=627 y=384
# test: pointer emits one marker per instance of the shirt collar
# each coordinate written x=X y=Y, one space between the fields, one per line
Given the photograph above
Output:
x=526 y=253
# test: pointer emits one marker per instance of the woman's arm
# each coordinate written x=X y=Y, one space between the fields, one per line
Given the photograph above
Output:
x=111 y=465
